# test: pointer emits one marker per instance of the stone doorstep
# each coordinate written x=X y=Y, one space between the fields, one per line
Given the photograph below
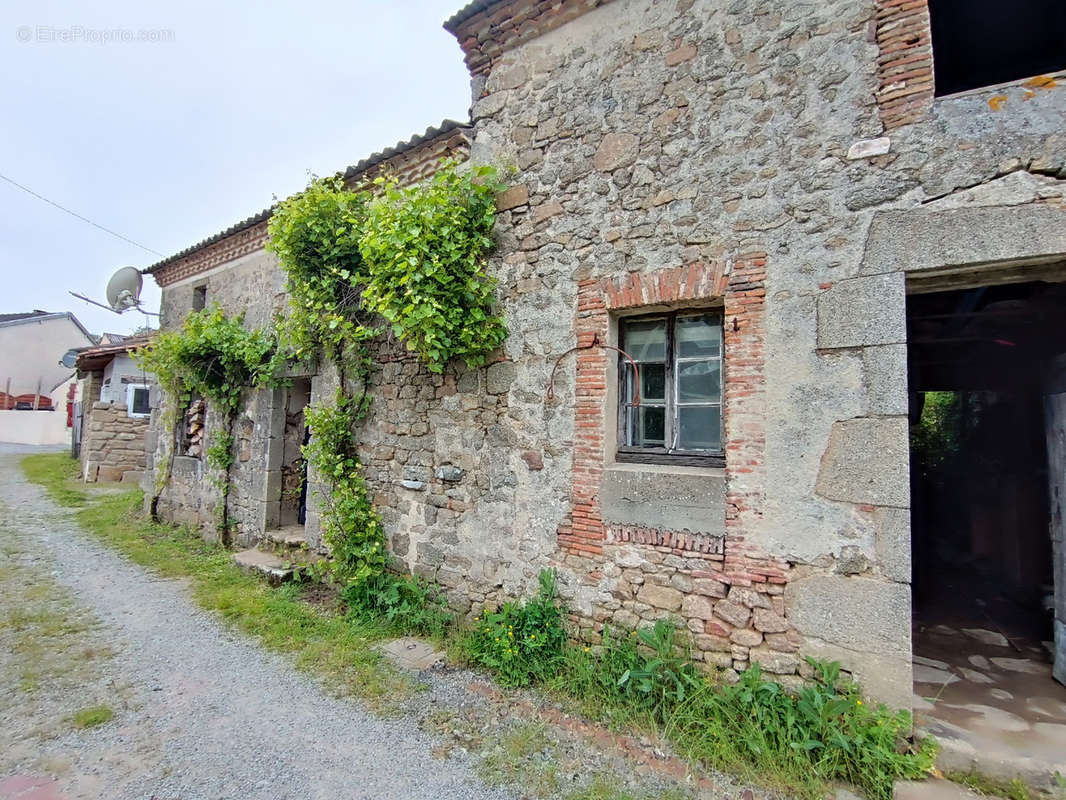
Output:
x=932 y=789
x=274 y=568
x=955 y=755
x=291 y=537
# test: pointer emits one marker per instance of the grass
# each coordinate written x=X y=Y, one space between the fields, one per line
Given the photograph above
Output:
x=523 y=757
x=1014 y=789
x=608 y=787
x=754 y=729
x=50 y=647
x=322 y=641
x=56 y=472
x=93 y=716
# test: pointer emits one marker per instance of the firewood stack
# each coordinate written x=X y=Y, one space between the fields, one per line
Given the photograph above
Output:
x=194 y=428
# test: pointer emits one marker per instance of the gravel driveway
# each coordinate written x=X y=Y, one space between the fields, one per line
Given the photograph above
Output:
x=200 y=712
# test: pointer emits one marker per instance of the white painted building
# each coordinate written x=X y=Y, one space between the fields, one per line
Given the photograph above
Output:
x=32 y=377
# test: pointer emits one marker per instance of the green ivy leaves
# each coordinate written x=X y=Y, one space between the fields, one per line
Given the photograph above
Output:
x=211 y=356
x=424 y=248
x=415 y=255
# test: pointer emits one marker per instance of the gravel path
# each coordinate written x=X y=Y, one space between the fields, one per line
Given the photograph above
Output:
x=200 y=712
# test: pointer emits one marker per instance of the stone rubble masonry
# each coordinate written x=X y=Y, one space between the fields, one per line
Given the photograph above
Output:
x=112 y=445
x=654 y=138
x=904 y=61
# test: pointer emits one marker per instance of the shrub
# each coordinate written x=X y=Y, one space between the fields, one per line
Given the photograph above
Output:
x=407 y=605
x=521 y=642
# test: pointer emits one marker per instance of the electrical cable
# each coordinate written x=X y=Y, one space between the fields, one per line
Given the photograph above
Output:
x=79 y=216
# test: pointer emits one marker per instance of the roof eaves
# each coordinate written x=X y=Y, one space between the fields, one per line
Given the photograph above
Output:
x=432 y=132
x=466 y=12
x=45 y=318
x=26 y=315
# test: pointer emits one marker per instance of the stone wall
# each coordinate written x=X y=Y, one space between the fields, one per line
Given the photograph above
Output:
x=112 y=444
x=661 y=147
x=242 y=277
x=655 y=136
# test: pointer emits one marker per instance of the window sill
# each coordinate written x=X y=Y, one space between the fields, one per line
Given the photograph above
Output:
x=664 y=469
x=996 y=88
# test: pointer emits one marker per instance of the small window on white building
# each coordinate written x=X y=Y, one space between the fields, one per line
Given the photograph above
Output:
x=137 y=403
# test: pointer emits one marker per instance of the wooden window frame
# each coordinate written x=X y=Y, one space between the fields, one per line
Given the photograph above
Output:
x=628 y=454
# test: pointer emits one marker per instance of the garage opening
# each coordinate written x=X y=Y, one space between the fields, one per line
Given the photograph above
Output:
x=986 y=475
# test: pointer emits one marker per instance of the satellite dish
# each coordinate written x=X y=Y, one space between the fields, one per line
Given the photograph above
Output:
x=124 y=289
x=70 y=358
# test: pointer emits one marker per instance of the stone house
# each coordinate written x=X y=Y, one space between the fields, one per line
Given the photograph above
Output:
x=115 y=411
x=743 y=240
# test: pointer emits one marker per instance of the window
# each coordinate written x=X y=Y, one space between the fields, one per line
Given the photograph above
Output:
x=984 y=42
x=137 y=403
x=199 y=298
x=678 y=416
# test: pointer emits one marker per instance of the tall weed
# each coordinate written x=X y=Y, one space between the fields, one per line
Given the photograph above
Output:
x=520 y=642
x=404 y=604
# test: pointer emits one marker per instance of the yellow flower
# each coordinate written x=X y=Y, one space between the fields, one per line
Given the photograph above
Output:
x=858 y=702
x=587 y=649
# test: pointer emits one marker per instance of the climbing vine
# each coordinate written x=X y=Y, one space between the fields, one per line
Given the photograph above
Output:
x=351 y=528
x=424 y=248
x=215 y=357
x=414 y=256
x=315 y=236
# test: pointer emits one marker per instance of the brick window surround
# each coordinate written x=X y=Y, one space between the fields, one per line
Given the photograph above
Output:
x=740 y=284
x=904 y=61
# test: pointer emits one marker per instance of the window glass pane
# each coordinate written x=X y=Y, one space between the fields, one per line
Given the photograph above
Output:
x=652 y=382
x=140 y=402
x=699 y=381
x=699 y=428
x=648 y=425
x=646 y=341
x=699 y=336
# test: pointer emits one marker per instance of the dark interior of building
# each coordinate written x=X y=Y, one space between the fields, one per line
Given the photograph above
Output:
x=981 y=547
x=983 y=378
x=985 y=42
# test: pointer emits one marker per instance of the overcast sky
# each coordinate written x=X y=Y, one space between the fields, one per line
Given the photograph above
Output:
x=167 y=142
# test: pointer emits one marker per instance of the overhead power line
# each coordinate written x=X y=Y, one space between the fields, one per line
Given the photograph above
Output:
x=79 y=216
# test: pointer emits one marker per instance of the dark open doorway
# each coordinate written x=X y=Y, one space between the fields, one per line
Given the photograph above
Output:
x=983 y=521
x=293 y=463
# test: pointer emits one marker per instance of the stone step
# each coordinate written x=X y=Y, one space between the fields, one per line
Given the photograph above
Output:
x=290 y=538
x=270 y=565
x=932 y=789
